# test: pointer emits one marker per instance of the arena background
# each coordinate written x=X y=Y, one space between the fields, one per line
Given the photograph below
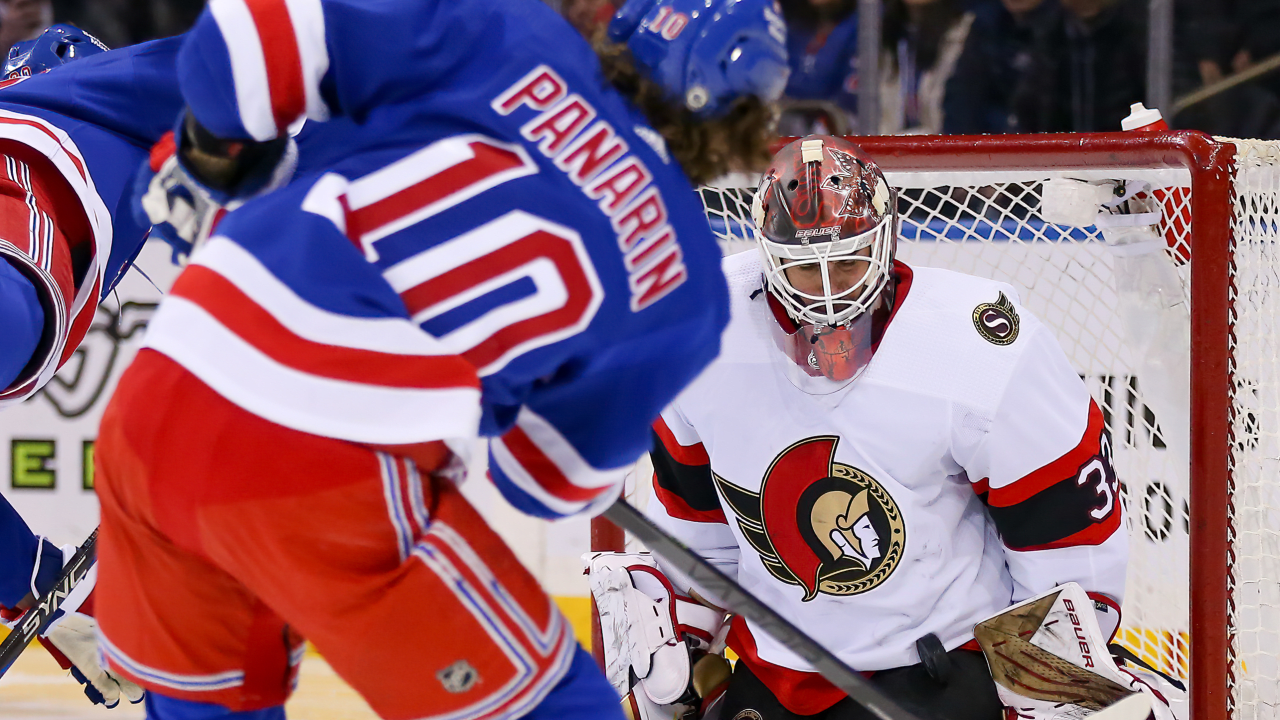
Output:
x=1207 y=65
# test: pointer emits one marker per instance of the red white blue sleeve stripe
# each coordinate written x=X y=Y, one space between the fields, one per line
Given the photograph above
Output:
x=269 y=55
x=251 y=338
x=542 y=474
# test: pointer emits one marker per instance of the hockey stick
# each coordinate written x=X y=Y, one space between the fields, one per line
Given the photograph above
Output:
x=740 y=602
x=39 y=615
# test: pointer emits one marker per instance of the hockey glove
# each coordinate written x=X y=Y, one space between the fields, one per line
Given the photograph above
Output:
x=71 y=636
x=74 y=638
x=192 y=179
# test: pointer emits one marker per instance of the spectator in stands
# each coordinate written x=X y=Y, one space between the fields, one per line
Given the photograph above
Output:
x=923 y=40
x=1202 y=39
x=1088 y=66
x=22 y=20
x=995 y=63
x=1215 y=39
x=822 y=44
x=125 y=22
x=1258 y=23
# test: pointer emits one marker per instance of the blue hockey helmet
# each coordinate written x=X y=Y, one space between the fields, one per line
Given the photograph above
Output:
x=58 y=45
x=707 y=53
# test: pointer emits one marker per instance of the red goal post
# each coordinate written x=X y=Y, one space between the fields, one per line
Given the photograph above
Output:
x=973 y=202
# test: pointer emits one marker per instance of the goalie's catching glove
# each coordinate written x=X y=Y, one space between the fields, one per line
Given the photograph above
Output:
x=1050 y=661
x=662 y=649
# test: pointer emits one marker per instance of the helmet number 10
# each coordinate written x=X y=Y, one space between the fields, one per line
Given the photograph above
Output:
x=669 y=23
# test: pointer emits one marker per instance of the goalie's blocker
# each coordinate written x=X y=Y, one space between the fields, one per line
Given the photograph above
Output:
x=662 y=649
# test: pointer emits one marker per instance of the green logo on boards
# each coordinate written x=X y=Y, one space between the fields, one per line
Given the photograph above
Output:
x=33 y=464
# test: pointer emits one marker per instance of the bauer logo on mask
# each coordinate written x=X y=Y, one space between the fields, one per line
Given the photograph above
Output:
x=826 y=526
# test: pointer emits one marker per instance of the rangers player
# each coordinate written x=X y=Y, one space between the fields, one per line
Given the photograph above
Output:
x=887 y=454
x=71 y=143
x=500 y=244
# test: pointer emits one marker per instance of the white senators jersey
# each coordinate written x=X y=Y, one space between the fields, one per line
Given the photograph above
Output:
x=966 y=469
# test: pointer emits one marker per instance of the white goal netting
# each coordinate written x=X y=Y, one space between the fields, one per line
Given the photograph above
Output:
x=1122 y=314
x=1255 y=433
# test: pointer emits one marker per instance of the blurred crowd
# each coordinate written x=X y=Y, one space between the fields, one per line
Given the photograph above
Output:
x=946 y=66
x=999 y=66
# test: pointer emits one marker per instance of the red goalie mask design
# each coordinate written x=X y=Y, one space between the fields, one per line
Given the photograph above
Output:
x=827 y=222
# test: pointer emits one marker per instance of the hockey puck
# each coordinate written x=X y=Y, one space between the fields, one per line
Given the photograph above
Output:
x=934 y=658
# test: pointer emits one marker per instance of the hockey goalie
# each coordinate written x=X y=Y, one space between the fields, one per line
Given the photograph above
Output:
x=889 y=456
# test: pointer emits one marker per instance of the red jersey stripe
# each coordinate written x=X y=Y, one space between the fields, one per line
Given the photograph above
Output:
x=488 y=161
x=283 y=63
x=244 y=317
x=72 y=156
x=677 y=508
x=80 y=324
x=538 y=245
x=544 y=470
x=692 y=455
x=1055 y=472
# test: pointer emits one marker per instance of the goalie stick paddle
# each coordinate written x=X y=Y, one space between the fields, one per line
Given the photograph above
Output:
x=39 y=615
x=741 y=602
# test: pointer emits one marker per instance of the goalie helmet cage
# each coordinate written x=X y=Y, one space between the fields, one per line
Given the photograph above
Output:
x=1201 y=491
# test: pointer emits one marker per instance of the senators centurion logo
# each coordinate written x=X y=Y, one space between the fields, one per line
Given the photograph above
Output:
x=997 y=322
x=825 y=526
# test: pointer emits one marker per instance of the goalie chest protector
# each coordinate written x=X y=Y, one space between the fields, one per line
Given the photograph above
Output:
x=860 y=513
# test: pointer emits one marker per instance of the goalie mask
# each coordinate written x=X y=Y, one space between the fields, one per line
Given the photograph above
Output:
x=827 y=222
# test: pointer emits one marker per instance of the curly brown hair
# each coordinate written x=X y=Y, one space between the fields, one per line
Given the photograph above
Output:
x=737 y=141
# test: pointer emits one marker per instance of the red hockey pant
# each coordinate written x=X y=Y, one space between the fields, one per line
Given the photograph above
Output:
x=227 y=539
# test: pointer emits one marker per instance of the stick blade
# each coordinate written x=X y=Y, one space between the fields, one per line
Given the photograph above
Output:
x=1135 y=707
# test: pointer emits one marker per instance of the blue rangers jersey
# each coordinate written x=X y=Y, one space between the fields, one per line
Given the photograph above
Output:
x=80 y=133
x=500 y=244
x=74 y=139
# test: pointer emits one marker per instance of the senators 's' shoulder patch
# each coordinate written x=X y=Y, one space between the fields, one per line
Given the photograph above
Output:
x=997 y=322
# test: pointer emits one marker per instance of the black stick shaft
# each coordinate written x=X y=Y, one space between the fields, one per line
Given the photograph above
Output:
x=39 y=615
x=738 y=601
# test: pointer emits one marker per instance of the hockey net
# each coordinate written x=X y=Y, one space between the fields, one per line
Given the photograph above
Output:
x=1200 y=471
